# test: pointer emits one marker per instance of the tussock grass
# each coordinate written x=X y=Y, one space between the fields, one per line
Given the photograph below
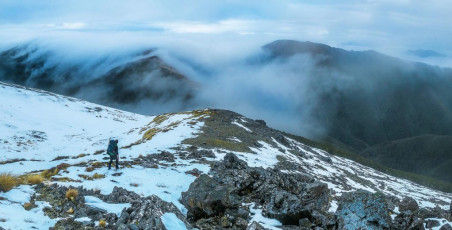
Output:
x=102 y=223
x=34 y=179
x=7 y=182
x=71 y=194
x=98 y=176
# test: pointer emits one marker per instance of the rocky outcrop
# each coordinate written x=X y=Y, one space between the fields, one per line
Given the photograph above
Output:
x=407 y=220
x=206 y=198
x=145 y=213
x=362 y=210
x=286 y=197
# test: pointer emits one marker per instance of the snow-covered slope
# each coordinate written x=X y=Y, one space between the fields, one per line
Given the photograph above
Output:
x=41 y=130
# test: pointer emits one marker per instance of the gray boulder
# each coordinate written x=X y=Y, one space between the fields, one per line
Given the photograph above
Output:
x=363 y=210
x=206 y=197
x=446 y=227
x=408 y=203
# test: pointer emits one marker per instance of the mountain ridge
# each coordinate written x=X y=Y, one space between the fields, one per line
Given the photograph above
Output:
x=170 y=159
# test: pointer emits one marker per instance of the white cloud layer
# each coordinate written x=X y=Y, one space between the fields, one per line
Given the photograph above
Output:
x=391 y=27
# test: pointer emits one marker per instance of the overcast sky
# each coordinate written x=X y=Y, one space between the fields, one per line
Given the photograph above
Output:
x=389 y=26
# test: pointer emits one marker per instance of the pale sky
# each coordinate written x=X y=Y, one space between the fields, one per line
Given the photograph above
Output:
x=393 y=27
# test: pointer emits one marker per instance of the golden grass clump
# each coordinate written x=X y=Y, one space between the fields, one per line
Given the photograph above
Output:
x=89 y=169
x=50 y=172
x=150 y=133
x=102 y=223
x=98 y=176
x=7 y=182
x=70 y=211
x=71 y=193
x=35 y=179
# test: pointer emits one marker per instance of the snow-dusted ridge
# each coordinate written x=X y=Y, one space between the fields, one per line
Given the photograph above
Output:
x=40 y=130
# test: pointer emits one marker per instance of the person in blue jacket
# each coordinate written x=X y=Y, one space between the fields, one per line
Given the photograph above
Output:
x=112 y=150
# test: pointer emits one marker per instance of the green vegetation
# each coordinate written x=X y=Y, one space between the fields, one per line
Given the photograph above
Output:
x=420 y=179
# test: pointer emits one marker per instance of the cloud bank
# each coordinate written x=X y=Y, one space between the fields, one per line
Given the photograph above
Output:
x=392 y=27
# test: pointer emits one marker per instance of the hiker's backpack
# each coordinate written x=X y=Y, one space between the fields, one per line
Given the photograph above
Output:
x=111 y=147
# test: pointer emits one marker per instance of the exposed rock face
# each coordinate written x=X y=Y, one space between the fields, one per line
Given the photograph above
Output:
x=145 y=213
x=363 y=210
x=286 y=197
x=206 y=198
x=407 y=220
x=408 y=204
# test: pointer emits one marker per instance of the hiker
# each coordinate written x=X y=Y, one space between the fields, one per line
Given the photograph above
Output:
x=113 y=152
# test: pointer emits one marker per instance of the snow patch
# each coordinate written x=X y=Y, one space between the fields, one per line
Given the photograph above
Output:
x=256 y=216
x=242 y=126
x=171 y=221
x=111 y=208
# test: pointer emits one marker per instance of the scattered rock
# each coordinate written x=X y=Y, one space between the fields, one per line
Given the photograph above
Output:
x=432 y=223
x=145 y=213
x=255 y=226
x=68 y=224
x=403 y=220
x=195 y=172
x=155 y=158
x=362 y=210
x=408 y=203
x=435 y=212
x=194 y=153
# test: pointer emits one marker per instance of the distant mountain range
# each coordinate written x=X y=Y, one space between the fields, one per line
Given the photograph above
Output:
x=395 y=112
